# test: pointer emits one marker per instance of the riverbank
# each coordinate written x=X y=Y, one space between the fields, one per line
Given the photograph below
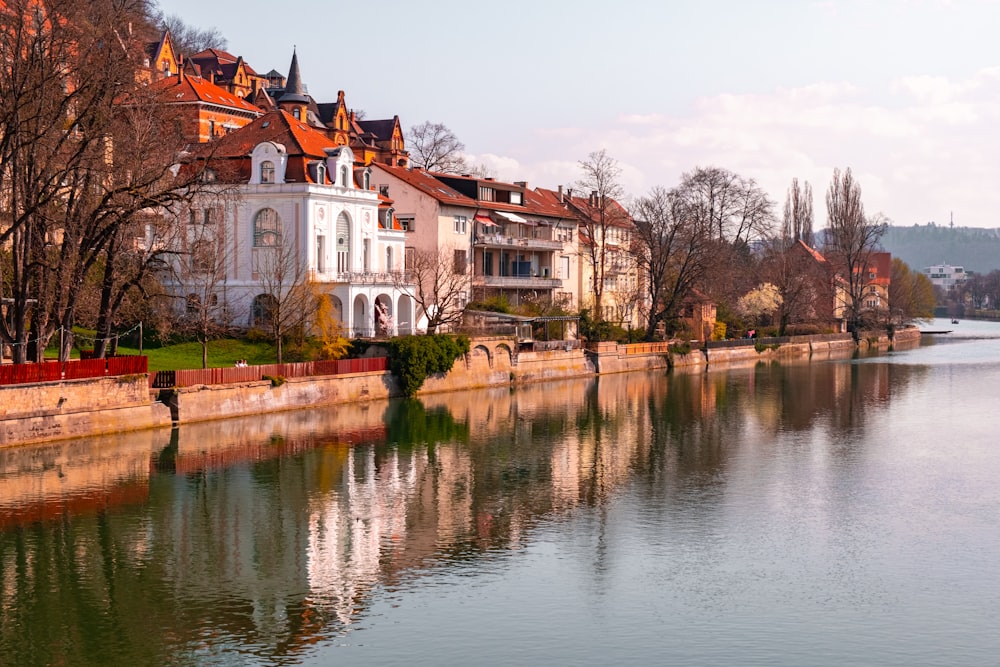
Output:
x=50 y=411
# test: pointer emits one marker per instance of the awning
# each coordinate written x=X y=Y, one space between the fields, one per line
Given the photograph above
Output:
x=485 y=219
x=513 y=217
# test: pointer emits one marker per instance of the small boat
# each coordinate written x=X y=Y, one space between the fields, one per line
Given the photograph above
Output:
x=954 y=321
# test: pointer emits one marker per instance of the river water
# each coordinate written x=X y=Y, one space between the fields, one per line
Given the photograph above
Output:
x=842 y=512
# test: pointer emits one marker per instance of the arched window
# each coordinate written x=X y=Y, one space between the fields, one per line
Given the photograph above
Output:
x=343 y=243
x=367 y=180
x=264 y=306
x=267 y=172
x=344 y=179
x=321 y=173
x=266 y=228
x=388 y=259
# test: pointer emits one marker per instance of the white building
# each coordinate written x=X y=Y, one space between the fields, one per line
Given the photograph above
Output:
x=945 y=275
x=287 y=199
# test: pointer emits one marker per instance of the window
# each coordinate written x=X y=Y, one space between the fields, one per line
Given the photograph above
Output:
x=207 y=217
x=486 y=194
x=193 y=219
x=515 y=198
x=321 y=254
x=321 y=173
x=408 y=256
x=461 y=223
x=366 y=251
x=211 y=129
x=344 y=176
x=264 y=308
x=873 y=289
x=388 y=259
x=193 y=303
x=267 y=172
x=343 y=243
x=460 y=261
x=406 y=222
x=367 y=179
x=201 y=256
x=266 y=228
x=383 y=190
x=564 y=267
x=488 y=264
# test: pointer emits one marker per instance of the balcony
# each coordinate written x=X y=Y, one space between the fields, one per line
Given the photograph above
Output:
x=523 y=282
x=500 y=241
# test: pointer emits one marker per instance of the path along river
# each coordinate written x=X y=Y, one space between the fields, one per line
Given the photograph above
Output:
x=826 y=513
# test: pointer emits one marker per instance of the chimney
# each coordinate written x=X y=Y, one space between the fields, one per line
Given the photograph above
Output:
x=560 y=195
x=523 y=184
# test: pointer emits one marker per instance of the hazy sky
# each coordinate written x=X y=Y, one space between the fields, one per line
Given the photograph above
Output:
x=905 y=93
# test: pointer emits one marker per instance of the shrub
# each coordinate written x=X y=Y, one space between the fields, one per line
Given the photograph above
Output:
x=275 y=380
x=413 y=358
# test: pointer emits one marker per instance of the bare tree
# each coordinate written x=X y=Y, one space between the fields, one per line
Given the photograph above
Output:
x=440 y=279
x=673 y=251
x=288 y=303
x=736 y=208
x=200 y=278
x=851 y=240
x=602 y=217
x=188 y=39
x=805 y=281
x=434 y=147
x=797 y=222
x=79 y=156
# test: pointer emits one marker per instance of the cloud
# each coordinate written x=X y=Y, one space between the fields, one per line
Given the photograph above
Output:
x=921 y=148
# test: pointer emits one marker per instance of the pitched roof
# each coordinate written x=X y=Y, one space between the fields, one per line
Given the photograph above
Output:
x=187 y=88
x=280 y=127
x=424 y=182
x=583 y=209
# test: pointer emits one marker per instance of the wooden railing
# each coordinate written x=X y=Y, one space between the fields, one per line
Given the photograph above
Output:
x=76 y=369
x=235 y=375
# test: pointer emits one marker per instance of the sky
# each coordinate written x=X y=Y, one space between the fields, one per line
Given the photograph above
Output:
x=905 y=93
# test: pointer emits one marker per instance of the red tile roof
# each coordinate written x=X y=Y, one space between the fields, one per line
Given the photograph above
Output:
x=187 y=88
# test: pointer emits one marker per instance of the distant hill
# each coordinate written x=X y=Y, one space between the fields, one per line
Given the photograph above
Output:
x=920 y=246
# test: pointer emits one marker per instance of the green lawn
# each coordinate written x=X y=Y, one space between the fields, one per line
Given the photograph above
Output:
x=224 y=352
x=221 y=353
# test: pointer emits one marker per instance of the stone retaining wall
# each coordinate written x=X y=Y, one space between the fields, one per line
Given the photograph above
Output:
x=74 y=408
x=46 y=411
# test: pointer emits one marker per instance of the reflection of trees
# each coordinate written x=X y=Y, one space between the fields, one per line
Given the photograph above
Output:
x=278 y=534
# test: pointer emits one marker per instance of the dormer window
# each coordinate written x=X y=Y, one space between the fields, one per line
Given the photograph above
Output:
x=321 y=173
x=267 y=172
x=367 y=179
x=344 y=176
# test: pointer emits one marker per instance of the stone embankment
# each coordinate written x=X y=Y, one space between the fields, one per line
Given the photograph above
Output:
x=76 y=408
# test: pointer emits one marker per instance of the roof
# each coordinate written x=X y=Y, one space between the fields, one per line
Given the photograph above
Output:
x=186 y=89
x=424 y=182
x=582 y=208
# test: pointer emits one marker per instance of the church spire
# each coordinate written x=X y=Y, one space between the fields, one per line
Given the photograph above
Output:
x=294 y=91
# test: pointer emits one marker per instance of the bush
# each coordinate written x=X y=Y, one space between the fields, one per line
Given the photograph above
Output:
x=413 y=358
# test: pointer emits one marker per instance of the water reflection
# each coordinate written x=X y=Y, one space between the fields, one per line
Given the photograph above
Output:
x=257 y=539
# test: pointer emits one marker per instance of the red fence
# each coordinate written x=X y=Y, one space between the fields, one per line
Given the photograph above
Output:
x=53 y=371
x=187 y=378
